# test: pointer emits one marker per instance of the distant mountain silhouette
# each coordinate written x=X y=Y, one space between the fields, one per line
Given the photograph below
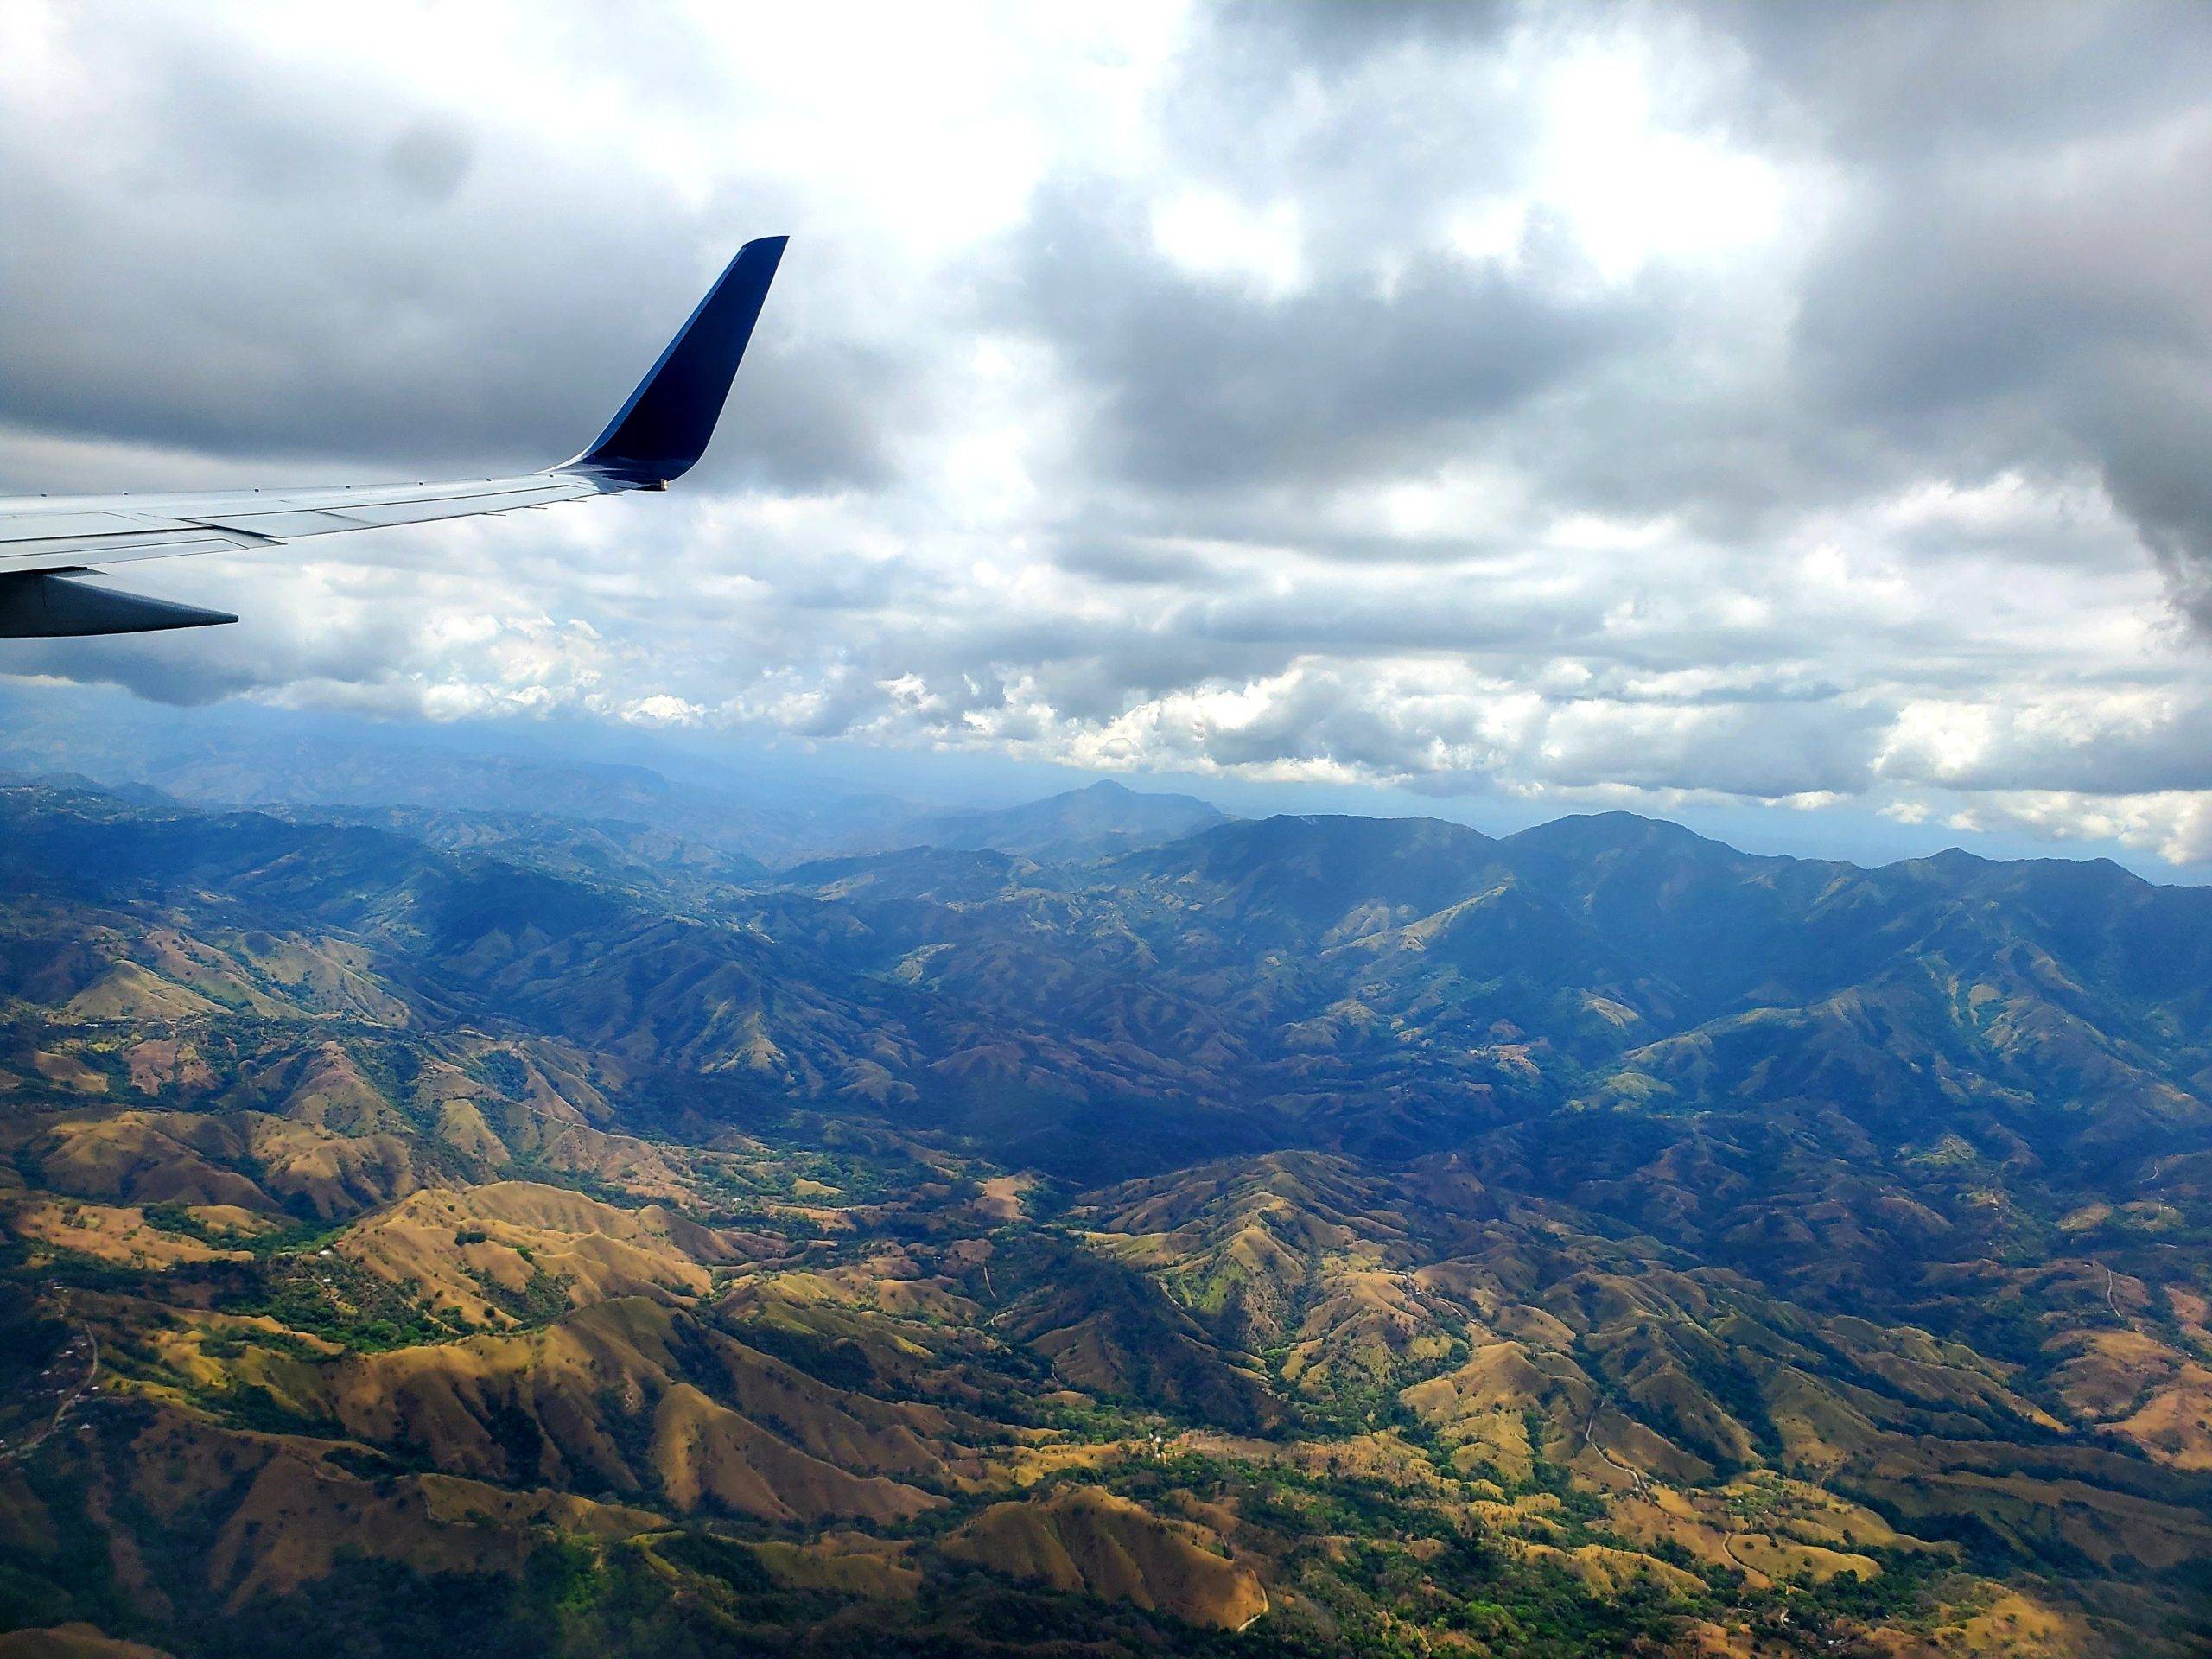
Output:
x=1083 y=824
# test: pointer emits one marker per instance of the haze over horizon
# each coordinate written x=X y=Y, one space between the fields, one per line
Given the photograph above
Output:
x=1789 y=422
x=219 y=755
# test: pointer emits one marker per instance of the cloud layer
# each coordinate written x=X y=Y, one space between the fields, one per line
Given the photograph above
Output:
x=1635 y=405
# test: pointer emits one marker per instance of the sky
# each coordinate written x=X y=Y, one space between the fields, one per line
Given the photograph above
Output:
x=1791 y=417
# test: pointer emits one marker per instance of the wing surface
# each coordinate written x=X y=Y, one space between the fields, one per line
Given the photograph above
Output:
x=655 y=438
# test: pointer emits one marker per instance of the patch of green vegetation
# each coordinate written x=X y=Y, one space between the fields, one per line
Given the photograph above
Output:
x=1345 y=1538
x=284 y=1238
x=542 y=1298
x=327 y=1296
x=840 y=1362
x=735 y=1564
x=501 y=1070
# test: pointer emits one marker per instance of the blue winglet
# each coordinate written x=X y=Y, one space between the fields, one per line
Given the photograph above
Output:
x=665 y=427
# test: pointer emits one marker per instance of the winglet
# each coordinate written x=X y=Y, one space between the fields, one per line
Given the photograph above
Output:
x=665 y=427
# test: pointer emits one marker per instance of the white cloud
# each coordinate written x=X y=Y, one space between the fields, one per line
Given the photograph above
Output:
x=1634 y=187
x=1548 y=407
x=1210 y=235
x=2175 y=825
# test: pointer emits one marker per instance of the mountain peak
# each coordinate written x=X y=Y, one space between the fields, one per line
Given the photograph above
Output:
x=1586 y=832
x=1077 y=824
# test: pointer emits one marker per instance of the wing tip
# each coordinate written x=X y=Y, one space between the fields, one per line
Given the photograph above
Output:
x=664 y=428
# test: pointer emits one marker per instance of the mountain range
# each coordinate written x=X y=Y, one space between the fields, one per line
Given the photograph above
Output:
x=1100 y=1226
x=424 y=787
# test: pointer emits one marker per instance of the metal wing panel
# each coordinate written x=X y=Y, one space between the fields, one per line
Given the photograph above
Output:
x=49 y=533
x=75 y=552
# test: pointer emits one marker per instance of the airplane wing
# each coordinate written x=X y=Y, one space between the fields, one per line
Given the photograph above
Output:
x=47 y=542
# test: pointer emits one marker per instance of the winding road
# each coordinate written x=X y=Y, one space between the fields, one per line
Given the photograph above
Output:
x=1589 y=1439
x=1643 y=1490
x=31 y=1443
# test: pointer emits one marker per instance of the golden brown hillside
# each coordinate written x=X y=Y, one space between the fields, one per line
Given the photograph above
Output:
x=1088 y=1541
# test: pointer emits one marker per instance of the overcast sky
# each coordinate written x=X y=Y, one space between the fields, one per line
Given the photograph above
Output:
x=1647 y=406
